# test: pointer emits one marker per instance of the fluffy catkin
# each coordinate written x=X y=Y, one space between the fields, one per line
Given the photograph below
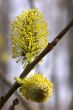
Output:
x=36 y=88
x=29 y=35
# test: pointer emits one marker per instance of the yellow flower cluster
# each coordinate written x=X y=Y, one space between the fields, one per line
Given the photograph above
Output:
x=36 y=88
x=29 y=34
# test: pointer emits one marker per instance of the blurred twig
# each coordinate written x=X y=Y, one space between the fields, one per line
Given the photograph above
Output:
x=31 y=2
x=8 y=83
x=15 y=102
x=29 y=67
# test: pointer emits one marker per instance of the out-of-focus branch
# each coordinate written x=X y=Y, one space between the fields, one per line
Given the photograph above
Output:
x=31 y=2
x=8 y=83
x=15 y=102
x=29 y=67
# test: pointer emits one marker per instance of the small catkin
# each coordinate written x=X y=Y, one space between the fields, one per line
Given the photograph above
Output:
x=36 y=88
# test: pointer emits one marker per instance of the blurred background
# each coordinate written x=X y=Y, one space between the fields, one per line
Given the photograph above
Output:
x=58 y=64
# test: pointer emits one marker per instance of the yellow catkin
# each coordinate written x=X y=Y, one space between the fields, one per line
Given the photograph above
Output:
x=29 y=35
x=36 y=88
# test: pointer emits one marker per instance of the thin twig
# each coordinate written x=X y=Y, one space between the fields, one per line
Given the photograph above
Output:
x=31 y=2
x=29 y=67
x=15 y=102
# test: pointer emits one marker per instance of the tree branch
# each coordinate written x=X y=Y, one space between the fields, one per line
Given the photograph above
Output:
x=29 y=67
x=9 y=84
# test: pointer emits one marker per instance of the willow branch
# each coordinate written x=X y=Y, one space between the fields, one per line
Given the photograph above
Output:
x=9 y=84
x=29 y=67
